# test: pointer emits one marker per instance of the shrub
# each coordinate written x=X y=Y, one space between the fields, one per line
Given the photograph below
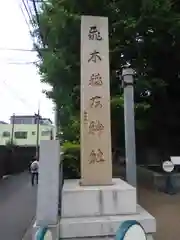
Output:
x=71 y=160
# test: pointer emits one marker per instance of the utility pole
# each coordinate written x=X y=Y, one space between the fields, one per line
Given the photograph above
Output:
x=37 y=130
x=56 y=122
x=128 y=85
x=12 y=130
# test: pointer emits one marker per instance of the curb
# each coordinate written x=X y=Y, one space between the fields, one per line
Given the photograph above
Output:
x=28 y=232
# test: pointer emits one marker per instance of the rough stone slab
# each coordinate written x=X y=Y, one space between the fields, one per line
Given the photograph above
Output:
x=103 y=225
x=82 y=201
x=48 y=186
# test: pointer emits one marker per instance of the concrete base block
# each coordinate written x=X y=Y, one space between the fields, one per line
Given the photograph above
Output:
x=54 y=231
x=91 y=201
x=149 y=237
x=104 y=226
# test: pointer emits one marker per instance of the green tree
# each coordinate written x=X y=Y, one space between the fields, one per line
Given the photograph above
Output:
x=144 y=33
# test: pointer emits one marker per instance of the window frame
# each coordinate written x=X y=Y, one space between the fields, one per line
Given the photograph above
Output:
x=45 y=135
x=15 y=136
x=9 y=134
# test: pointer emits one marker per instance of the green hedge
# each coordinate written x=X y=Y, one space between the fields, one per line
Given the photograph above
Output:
x=71 y=160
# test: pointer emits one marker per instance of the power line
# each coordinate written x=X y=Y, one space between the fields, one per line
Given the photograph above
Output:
x=31 y=19
x=27 y=11
x=17 y=95
x=30 y=50
x=25 y=19
x=38 y=22
x=30 y=15
x=39 y=1
x=29 y=8
x=18 y=62
x=21 y=63
x=17 y=49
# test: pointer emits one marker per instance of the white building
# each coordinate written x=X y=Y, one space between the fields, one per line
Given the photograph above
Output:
x=29 y=119
x=25 y=134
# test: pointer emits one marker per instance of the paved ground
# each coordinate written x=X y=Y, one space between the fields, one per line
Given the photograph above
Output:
x=17 y=206
x=18 y=203
x=166 y=210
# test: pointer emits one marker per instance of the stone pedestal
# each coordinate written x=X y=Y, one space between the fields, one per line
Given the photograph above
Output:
x=98 y=211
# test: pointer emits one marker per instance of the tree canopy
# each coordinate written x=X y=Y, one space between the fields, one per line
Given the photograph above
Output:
x=144 y=33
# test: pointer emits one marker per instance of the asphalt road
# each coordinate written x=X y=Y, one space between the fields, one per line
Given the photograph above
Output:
x=17 y=206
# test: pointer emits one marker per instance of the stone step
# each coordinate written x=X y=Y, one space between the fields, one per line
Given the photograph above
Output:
x=84 y=227
x=87 y=201
x=148 y=237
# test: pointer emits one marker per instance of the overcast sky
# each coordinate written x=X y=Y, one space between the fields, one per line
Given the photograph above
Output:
x=20 y=87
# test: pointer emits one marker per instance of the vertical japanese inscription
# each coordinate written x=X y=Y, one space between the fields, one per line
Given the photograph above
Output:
x=95 y=98
x=96 y=156
x=94 y=57
x=94 y=34
x=95 y=102
x=96 y=127
x=95 y=80
x=85 y=116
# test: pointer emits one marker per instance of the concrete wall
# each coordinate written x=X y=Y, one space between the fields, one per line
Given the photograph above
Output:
x=31 y=130
x=145 y=176
x=156 y=180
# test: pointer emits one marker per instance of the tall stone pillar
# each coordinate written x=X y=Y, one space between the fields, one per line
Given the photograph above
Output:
x=96 y=157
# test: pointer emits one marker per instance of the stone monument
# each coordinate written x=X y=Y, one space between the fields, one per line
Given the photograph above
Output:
x=97 y=205
x=96 y=163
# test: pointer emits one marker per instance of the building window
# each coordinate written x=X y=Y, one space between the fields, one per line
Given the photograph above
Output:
x=6 y=134
x=20 y=135
x=33 y=133
x=45 y=133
